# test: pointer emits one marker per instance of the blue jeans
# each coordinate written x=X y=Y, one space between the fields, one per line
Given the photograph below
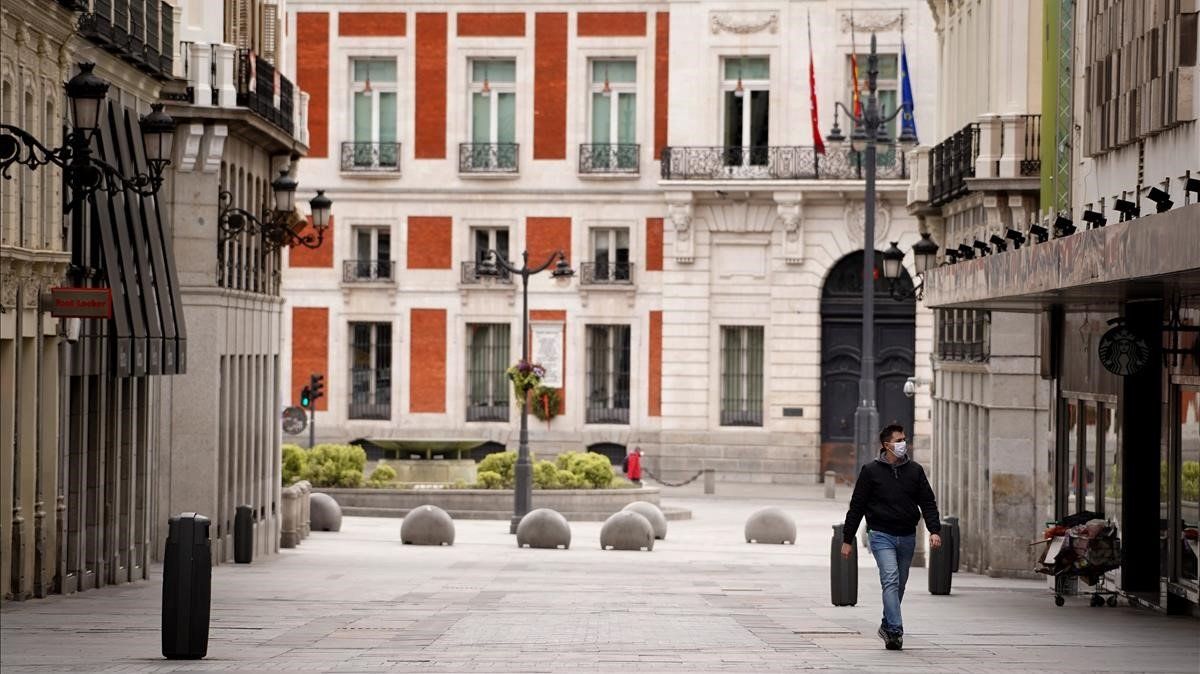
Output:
x=893 y=556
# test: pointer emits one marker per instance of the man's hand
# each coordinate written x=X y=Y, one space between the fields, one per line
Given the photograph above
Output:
x=935 y=541
x=846 y=550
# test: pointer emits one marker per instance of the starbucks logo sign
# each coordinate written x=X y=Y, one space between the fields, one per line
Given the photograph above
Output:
x=1122 y=352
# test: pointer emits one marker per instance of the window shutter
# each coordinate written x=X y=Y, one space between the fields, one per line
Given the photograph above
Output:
x=270 y=32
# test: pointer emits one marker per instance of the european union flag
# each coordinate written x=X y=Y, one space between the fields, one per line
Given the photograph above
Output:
x=908 y=123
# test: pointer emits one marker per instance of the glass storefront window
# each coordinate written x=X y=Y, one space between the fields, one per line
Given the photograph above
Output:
x=1088 y=463
x=1188 y=485
x=1072 y=437
x=1112 y=463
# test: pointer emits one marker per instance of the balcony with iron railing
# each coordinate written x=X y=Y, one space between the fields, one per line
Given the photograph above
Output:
x=791 y=162
x=1004 y=148
x=609 y=159
x=256 y=90
x=138 y=31
x=488 y=158
x=488 y=410
x=606 y=273
x=369 y=157
x=472 y=277
x=369 y=271
x=605 y=409
x=370 y=393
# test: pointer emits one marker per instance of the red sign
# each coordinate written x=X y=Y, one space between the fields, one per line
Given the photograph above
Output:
x=81 y=302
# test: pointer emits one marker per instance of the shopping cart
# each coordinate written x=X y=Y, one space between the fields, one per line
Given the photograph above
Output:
x=1086 y=551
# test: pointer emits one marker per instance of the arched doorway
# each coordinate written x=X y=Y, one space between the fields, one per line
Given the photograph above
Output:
x=841 y=354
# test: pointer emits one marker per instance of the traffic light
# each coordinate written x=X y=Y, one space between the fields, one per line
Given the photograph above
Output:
x=305 y=398
x=316 y=387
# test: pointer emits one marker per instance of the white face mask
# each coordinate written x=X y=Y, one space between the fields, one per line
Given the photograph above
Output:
x=899 y=448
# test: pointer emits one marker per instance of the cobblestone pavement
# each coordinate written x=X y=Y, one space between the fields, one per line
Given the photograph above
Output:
x=704 y=600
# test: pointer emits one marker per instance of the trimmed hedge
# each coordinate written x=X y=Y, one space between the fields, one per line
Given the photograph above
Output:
x=325 y=465
x=571 y=470
x=382 y=475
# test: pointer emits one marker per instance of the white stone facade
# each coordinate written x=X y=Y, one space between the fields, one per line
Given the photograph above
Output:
x=736 y=249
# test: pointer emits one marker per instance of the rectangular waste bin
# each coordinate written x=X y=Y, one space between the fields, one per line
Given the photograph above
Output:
x=187 y=588
x=843 y=573
x=950 y=527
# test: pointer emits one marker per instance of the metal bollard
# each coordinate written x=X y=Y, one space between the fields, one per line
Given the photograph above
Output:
x=187 y=588
x=830 y=484
x=843 y=573
x=955 y=540
x=305 y=489
x=710 y=481
x=243 y=535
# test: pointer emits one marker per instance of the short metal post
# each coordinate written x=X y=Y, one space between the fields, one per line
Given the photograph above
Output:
x=830 y=484
x=710 y=481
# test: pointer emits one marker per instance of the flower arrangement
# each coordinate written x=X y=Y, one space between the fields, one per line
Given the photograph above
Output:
x=525 y=377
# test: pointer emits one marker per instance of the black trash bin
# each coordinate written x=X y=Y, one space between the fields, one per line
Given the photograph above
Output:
x=843 y=573
x=941 y=564
x=243 y=535
x=187 y=588
x=951 y=535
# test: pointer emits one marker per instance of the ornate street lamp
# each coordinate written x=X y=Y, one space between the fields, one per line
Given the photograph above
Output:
x=84 y=173
x=924 y=253
x=869 y=129
x=277 y=226
x=493 y=264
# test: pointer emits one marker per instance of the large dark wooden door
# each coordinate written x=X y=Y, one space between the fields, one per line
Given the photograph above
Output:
x=841 y=359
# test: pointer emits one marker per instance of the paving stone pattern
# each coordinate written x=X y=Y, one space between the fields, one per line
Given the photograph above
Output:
x=704 y=600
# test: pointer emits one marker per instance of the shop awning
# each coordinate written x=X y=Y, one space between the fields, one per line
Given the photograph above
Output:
x=147 y=328
x=1154 y=256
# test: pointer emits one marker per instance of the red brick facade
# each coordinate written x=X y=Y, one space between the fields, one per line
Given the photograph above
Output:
x=312 y=76
x=427 y=361
x=662 y=57
x=372 y=24
x=491 y=24
x=611 y=24
x=429 y=123
x=320 y=257
x=654 y=373
x=654 y=244
x=310 y=351
x=429 y=241
x=550 y=95
x=544 y=236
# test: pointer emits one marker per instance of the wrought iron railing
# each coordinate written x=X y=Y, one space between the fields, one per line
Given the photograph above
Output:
x=606 y=273
x=605 y=158
x=372 y=157
x=368 y=271
x=793 y=162
x=471 y=276
x=256 y=90
x=1031 y=146
x=140 y=32
x=370 y=393
x=600 y=411
x=488 y=157
x=951 y=162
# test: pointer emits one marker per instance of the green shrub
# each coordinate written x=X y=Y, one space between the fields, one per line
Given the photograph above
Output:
x=460 y=484
x=503 y=464
x=295 y=461
x=335 y=465
x=489 y=479
x=1190 y=489
x=620 y=483
x=595 y=470
x=545 y=475
x=382 y=475
x=565 y=479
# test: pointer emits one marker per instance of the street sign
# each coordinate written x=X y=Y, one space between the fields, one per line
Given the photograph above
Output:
x=294 y=420
x=81 y=302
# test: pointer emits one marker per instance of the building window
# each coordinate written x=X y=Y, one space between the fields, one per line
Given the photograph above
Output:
x=610 y=256
x=370 y=371
x=608 y=374
x=484 y=239
x=888 y=84
x=372 y=254
x=613 y=115
x=746 y=92
x=741 y=375
x=487 y=361
x=374 y=101
x=493 y=114
x=963 y=334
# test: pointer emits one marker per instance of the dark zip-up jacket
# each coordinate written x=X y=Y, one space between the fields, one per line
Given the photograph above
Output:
x=893 y=497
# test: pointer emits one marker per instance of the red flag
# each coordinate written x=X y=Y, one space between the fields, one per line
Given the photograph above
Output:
x=818 y=142
x=854 y=69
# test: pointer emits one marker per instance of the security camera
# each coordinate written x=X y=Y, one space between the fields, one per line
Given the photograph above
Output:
x=910 y=387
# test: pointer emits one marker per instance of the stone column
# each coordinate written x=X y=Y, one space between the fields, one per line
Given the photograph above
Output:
x=989 y=146
x=199 y=72
x=225 y=84
x=1013 y=150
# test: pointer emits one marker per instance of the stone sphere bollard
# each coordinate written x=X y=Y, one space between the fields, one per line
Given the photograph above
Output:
x=427 y=525
x=658 y=521
x=324 y=512
x=627 y=530
x=544 y=528
x=771 y=525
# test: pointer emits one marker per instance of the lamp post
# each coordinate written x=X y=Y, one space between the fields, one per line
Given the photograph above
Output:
x=924 y=251
x=84 y=173
x=870 y=128
x=493 y=264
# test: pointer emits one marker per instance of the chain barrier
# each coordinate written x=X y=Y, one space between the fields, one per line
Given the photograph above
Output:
x=673 y=484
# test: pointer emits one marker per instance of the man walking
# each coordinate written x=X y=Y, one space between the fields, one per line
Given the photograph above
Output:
x=893 y=492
